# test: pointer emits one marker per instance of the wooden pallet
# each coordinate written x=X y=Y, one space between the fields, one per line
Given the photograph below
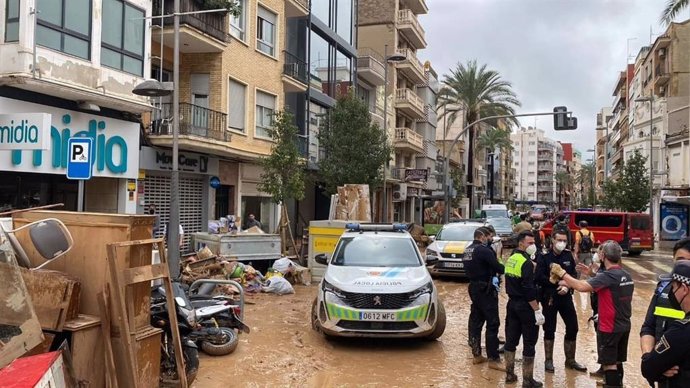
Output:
x=130 y=335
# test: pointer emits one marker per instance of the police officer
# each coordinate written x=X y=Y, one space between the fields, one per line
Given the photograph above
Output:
x=523 y=314
x=671 y=355
x=558 y=300
x=660 y=313
x=481 y=265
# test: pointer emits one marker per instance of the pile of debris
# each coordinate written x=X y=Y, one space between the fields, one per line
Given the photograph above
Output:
x=353 y=203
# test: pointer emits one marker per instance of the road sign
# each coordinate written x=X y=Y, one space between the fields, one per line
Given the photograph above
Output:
x=79 y=155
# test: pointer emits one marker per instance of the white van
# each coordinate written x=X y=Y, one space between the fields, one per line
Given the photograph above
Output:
x=494 y=211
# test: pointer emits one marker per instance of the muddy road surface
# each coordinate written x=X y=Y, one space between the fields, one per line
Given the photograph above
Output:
x=283 y=351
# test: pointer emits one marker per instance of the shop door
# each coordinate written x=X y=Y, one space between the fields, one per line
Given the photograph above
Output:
x=224 y=201
x=200 y=92
x=157 y=192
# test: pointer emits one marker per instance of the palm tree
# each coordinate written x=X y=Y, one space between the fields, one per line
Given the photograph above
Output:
x=481 y=93
x=492 y=140
x=673 y=8
x=563 y=179
x=585 y=179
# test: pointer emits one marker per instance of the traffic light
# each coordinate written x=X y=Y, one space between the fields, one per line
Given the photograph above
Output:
x=561 y=120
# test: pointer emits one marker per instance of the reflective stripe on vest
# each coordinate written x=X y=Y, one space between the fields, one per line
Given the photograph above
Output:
x=667 y=312
x=514 y=264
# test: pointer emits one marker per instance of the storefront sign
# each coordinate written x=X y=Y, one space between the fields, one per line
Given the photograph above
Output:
x=674 y=221
x=412 y=192
x=115 y=141
x=24 y=131
x=416 y=174
x=161 y=160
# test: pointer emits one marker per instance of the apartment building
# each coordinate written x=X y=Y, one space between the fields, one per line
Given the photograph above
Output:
x=70 y=74
x=536 y=160
x=392 y=27
x=620 y=122
x=602 y=146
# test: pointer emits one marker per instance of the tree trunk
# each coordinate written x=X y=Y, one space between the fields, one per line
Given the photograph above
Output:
x=470 y=170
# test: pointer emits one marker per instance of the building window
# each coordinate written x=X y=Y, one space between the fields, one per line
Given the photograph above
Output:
x=532 y=153
x=265 y=107
x=344 y=20
x=531 y=173
x=238 y=24
x=12 y=21
x=236 y=110
x=532 y=143
x=319 y=63
x=343 y=73
x=122 y=46
x=65 y=25
x=530 y=163
x=266 y=31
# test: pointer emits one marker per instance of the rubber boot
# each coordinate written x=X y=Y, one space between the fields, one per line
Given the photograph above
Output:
x=570 y=348
x=599 y=373
x=476 y=346
x=496 y=364
x=612 y=379
x=548 y=356
x=511 y=377
x=528 y=380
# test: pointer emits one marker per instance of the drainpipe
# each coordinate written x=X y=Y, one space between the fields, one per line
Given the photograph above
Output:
x=34 y=12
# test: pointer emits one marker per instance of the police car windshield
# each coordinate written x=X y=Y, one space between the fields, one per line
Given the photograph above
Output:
x=457 y=233
x=376 y=251
x=495 y=213
x=500 y=223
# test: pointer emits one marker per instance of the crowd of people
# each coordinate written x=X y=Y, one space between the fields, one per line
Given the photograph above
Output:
x=540 y=282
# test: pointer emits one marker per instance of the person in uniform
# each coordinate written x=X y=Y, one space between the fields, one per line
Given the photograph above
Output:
x=558 y=300
x=481 y=265
x=615 y=288
x=523 y=314
x=660 y=313
x=670 y=358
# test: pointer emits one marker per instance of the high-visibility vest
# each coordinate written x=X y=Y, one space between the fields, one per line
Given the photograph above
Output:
x=665 y=314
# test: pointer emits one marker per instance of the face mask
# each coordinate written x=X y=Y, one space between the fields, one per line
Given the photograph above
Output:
x=595 y=258
x=675 y=303
x=560 y=246
x=531 y=250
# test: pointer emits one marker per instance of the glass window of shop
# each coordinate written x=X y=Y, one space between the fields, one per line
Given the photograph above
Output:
x=65 y=25
x=24 y=190
x=319 y=63
x=344 y=20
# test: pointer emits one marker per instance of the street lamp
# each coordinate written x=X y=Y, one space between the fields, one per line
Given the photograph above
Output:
x=650 y=99
x=153 y=88
x=396 y=57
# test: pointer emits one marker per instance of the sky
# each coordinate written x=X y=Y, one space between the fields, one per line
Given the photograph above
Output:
x=554 y=52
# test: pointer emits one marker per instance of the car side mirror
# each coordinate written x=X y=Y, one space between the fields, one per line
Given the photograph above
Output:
x=321 y=258
x=431 y=260
x=432 y=238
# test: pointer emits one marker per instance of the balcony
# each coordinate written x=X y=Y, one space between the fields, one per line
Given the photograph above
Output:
x=409 y=103
x=409 y=26
x=545 y=157
x=408 y=140
x=201 y=129
x=199 y=33
x=296 y=8
x=545 y=167
x=294 y=73
x=417 y=6
x=661 y=76
x=370 y=66
x=411 y=67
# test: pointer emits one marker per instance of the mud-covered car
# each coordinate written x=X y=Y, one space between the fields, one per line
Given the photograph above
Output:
x=376 y=284
x=445 y=255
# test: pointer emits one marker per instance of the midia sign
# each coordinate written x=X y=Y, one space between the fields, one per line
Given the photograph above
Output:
x=25 y=131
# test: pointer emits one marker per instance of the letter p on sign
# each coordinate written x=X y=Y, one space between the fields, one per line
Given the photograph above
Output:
x=80 y=155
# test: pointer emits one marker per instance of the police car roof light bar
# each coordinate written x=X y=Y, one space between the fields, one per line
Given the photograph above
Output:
x=357 y=227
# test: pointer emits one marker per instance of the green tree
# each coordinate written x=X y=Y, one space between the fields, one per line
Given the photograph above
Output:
x=564 y=181
x=630 y=192
x=481 y=93
x=585 y=178
x=672 y=9
x=457 y=175
x=284 y=175
x=495 y=139
x=233 y=6
x=356 y=148
x=611 y=198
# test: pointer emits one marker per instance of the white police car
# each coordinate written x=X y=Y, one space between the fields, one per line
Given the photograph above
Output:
x=376 y=285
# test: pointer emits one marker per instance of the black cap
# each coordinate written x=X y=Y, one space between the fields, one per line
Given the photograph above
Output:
x=681 y=272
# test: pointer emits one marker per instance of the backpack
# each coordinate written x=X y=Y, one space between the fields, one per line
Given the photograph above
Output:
x=585 y=242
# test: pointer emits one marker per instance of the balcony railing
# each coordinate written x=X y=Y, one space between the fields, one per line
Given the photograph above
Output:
x=406 y=135
x=295 y=67
x=370 y=66
x=194 y=121
x=409 y=97
x=408 y=20
x=214 y=23
x=414 y=63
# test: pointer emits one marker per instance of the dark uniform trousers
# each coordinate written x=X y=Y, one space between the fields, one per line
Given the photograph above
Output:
x=563 y=305
x=520 y=321
x=484 y=309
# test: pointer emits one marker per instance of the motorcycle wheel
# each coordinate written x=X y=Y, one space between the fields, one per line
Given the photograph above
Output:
x=191 y=358
x=227 y=347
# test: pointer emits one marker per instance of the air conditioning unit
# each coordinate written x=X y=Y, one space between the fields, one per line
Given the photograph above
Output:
x=662 y=52
x=400 y=192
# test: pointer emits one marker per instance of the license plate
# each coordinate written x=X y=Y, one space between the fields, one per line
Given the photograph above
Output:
x=376 y=316
x=453 y=265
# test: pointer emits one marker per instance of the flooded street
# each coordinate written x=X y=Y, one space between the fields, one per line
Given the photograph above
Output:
x=283 y=351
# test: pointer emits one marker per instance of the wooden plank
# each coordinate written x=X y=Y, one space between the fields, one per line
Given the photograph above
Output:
x=172 y=314
x=121 y=244
x=87 y=349
x=110 y=371
x=128 y=366
x=143 y=274
x=82 y=322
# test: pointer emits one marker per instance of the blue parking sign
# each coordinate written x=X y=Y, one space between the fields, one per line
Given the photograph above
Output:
x=79 y=156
